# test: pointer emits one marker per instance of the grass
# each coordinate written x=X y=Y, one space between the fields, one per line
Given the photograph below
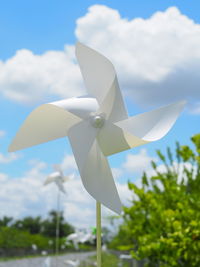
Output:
x=108 y=260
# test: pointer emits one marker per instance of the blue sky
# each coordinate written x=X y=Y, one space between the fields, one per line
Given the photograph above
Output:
x=165 y=71
x=49 y=24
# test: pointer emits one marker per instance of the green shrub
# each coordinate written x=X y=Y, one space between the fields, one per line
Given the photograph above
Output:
x=163 y=223
x=14 y=238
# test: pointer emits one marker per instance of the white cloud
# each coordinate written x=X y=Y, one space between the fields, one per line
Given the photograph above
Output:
x=138 y=163
x=179 y=168
x=157 y=59
x=195 y=108
x=26 y=195
x=68 y=163
x=2 y=133
x=3 y=177
x=21 y=196
x=4 y=159
x=29 y=78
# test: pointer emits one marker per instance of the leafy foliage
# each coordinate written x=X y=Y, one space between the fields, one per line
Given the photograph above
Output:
x=163 y=223
x=30 y=224
x=13 y=238
x=45 y=227
x=5 y=221
x=48 y=226
x=22 y=234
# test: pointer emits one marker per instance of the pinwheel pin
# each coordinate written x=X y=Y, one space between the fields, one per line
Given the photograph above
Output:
x=97 y=126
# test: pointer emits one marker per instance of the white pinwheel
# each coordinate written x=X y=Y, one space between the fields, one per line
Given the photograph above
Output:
x=58 y=178
x=75 y=238
x=87 y=237
x=97 y=126
x=80 y=237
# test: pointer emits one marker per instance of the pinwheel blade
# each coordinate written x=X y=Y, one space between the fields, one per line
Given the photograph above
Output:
x=58 y=168
x=49 y=179
x=113 y=139
x=151 y=126
x=113 y=104
x=101 y=82
x=98 y=180
x=67 y=178
x=82 y=107
x=47 y=122
x=93 y=166
x=81 y=137
x=138 y=130
x=60 y=186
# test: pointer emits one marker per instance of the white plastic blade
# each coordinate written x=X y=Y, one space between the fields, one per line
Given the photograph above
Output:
x=153 y=125
x=82 y=107
x=93 y=166
x=113 y=139
x=81 y=137
x=49 y=179
x=58 y=168
x=60 y=185
x=66 y=178
x=113 y=105
x=98 y=180
x=138 y=130
x=101 y=81
x=46 y=123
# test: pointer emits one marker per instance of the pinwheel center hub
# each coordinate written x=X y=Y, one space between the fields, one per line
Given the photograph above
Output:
x=97 y=121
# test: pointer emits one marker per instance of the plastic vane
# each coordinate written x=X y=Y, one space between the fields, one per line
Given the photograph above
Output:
x=80 y=237
x=58 y=178
x=97 y=126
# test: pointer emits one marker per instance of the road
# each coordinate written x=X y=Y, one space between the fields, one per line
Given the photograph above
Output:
x=40 y=261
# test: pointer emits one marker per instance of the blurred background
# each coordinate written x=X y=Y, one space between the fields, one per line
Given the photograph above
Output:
x=154 y=47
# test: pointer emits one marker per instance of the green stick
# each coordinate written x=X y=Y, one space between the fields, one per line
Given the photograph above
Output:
x=57 y=227
x=98 y=221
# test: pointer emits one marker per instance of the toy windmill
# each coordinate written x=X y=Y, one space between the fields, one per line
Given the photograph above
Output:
x=97 y=126
x=59 y=179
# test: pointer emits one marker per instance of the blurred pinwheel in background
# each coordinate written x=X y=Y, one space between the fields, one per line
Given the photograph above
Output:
x=58 y=178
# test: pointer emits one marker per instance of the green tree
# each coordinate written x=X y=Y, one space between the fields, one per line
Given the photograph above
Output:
x=163 y=223
x=30 y=224
x=5 y=221
x=49 y=226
